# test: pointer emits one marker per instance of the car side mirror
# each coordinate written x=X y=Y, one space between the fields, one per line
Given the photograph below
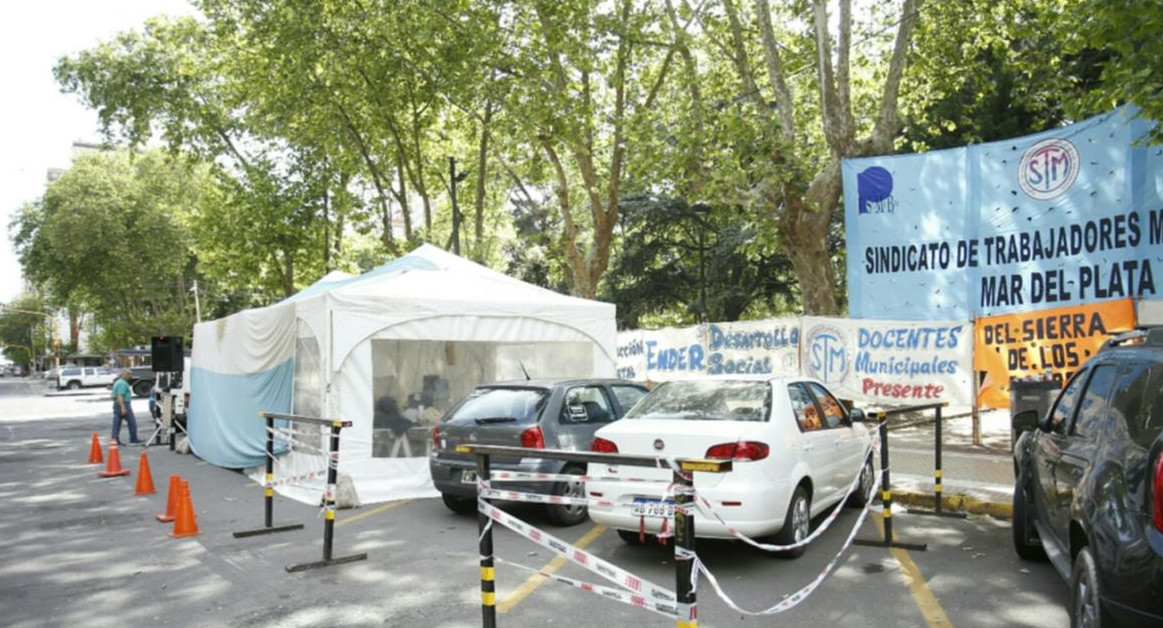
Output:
x=1026 y=421
x=856 y=415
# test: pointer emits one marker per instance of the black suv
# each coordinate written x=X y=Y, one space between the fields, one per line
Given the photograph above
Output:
x=1089 y=492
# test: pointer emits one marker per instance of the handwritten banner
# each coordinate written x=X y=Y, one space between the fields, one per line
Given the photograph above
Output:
x=673 y=353
x=768 y=347
x=890 y=362
x=1056 y=340
x=631 y=356
x=1068 y=217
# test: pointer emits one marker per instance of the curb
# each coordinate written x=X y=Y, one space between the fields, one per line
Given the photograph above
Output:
x=956 y=503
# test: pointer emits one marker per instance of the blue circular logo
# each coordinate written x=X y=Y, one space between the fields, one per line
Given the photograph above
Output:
x=1048 y=169
x=826 y=354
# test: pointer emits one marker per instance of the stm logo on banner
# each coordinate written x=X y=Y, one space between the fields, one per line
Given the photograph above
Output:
x=1048 y=169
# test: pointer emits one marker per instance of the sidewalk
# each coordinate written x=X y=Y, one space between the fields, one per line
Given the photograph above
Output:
x=975 y=478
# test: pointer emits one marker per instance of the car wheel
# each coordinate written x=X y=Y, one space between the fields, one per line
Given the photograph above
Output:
x=569 y=514
x=73 y=385
x=459 y=505
x=861 y=496
x=630 y=537
x=1085 y=601
x=797 y=524
x=142 y=388
x=1026 y=544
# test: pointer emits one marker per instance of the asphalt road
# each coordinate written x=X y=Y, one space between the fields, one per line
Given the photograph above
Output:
x=82 y=551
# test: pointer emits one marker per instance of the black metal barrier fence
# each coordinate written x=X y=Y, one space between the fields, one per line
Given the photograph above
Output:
x=268 y=522
x=328 y=494
x=684 y=519
x=938 y=473
x=885 y=480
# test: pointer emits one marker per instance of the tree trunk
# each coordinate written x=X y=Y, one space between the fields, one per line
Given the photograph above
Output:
x=813 y=267
x=478 y=247
x=805 y=234
x=403 y=196
x=326 y=232
x=341 y=206
x=74 y=328
x=288 y=273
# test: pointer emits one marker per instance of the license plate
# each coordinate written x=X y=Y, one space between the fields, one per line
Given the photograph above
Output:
x=468 y=477
x=652 y=508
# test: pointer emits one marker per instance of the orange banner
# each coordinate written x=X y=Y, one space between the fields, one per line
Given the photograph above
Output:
x=1057 y=341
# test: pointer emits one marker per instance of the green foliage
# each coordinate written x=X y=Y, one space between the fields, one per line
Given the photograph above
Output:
x=658 y=270
x=24 y=334
x=1010 y=72
x=109 y=238
x=1123 y=38
x=326 y=123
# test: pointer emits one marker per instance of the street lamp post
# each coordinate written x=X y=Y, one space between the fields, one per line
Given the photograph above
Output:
x=702 y=209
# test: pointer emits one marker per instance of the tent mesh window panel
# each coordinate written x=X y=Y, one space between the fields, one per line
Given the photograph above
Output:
x=415 y=382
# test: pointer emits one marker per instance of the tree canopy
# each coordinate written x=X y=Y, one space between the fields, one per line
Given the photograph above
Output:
x=584 y=132
x=110 y=236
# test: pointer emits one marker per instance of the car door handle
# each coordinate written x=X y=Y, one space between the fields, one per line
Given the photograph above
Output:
x=809 y=447
x=839 y=443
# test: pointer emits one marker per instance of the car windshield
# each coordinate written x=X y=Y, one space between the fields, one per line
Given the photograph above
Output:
x=705 y=401
x=521 y=404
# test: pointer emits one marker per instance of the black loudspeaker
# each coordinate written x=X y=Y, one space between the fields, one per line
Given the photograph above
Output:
x=167 y=354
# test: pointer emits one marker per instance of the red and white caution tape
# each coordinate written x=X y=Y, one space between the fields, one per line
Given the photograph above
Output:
x=666 y=608
x=297 y=478
x=609 y=571
x=512 y=476
x=540 y=498
x=799 y=596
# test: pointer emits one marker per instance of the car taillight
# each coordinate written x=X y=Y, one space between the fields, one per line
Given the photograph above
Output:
x=186 y=399
x=603 y=446
x=532 y=438
x=746 y=450
x=1158 y=488
x=436 y=437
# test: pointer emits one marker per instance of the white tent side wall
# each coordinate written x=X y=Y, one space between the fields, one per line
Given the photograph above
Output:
x=413 y=337
x=241 y=365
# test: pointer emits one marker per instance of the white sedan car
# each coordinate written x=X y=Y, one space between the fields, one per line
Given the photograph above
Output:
x=795 y=451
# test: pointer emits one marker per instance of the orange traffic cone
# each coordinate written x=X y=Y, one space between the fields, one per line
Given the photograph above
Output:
x=171 y=512
x=113 y=469
x=186 y=524
x=144 y=477
x=95 y=451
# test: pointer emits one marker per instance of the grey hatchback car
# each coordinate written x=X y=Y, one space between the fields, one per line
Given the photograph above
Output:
x=533 y=414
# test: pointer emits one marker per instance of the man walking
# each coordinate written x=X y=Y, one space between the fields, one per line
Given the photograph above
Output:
x=123 y=408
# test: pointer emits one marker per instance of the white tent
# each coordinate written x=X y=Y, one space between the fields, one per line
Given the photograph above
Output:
x=389 y=350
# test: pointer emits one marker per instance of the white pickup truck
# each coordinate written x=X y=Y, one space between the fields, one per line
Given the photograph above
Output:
x=74 y=377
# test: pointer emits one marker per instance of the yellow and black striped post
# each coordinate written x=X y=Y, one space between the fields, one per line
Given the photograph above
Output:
x=269 y=506
x=886 y=496
x=329 y=506
x=329 y=496
x=938 y=475
x=488 y=572
x=687 y=612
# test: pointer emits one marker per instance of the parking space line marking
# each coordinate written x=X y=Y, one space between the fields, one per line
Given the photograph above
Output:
x=373 y=511
x=534 y=581
x=926 y=601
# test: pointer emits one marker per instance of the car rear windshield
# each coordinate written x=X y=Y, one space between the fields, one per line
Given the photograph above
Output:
x=706 y=401
x=520 y=404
